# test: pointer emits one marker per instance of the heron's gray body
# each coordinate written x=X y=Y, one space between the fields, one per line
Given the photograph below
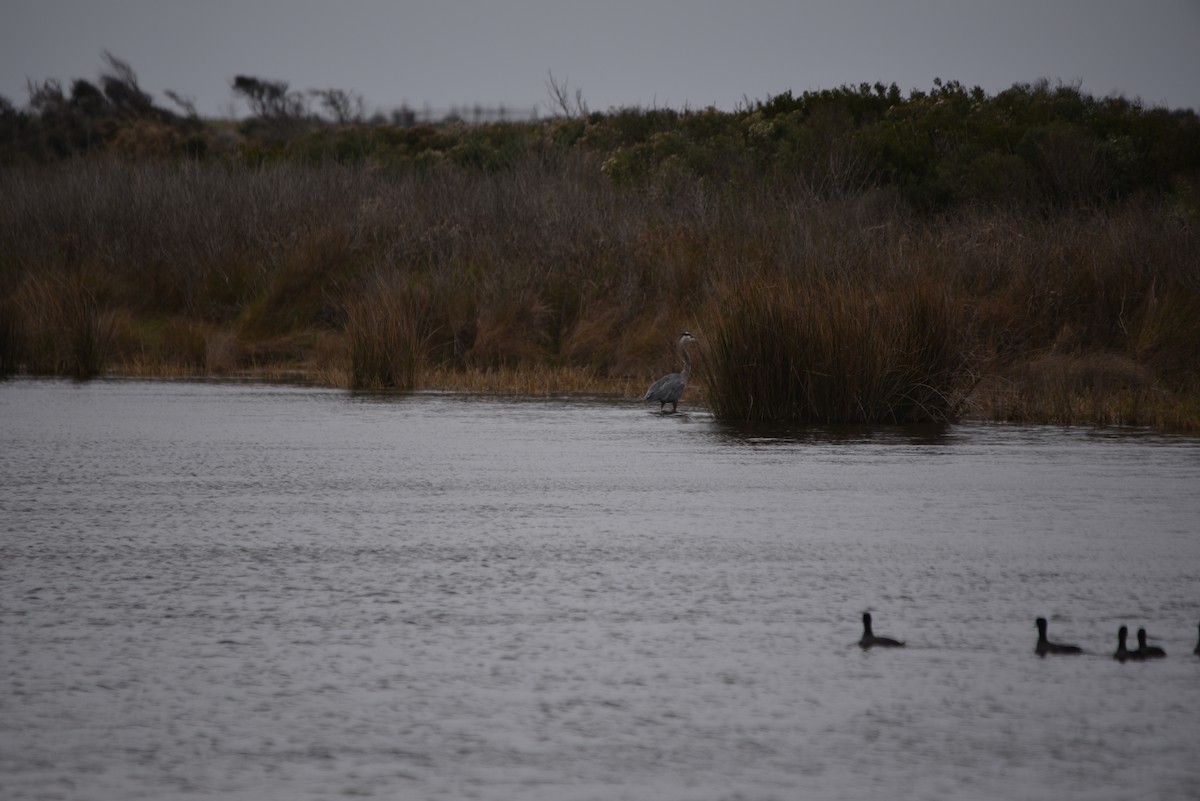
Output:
x=670 y=387
x=667 y=389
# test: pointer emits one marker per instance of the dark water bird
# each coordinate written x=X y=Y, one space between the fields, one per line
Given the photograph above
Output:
x=670 y=387
x=1148 y=651
x=1124 y=653
x=1044 y=646
x=869 y=640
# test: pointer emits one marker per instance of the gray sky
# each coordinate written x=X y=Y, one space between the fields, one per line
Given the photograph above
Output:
x=671 y=53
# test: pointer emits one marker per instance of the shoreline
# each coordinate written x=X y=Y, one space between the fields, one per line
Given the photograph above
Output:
x=994 y=400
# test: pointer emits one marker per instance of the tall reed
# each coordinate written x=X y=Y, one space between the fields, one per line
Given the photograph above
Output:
x=58 y=326
x=842 y=349
x=850 y=307
x=389 y=330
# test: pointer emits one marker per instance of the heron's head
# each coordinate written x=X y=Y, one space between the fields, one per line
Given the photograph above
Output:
x=686 y=337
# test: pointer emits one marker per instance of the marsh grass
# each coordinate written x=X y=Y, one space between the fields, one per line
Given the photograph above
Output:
x=537 y=380
x=548 y=278
x=1098 y=388
x=160 y=346
x=836 y=350
x=389 y=330
x=57 y=324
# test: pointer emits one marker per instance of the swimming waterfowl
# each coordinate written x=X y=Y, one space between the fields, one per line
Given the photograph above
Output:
x=1124 y=653
x=1147 y=651
x=1044 y=646
x=869 y=640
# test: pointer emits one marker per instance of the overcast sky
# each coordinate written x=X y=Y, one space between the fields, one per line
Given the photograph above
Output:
x=672 y=53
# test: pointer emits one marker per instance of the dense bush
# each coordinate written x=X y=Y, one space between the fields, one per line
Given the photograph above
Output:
x=1033 y=144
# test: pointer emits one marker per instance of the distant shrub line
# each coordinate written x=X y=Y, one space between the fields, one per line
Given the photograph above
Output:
x=1034 y=143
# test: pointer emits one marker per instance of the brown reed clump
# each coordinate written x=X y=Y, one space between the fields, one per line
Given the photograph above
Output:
x=837 y=350
x=389 y=331
x=57 y=325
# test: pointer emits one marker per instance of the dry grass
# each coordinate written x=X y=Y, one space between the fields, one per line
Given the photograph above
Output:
x=388 y=328
x=843 y=350
x=546 y=279
x=58 y=323
x=533 y=380
x=1094 y=389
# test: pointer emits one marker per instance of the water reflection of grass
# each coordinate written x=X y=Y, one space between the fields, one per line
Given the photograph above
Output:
x=552 y=279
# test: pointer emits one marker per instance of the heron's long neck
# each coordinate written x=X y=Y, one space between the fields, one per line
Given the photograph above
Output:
x=687 y=362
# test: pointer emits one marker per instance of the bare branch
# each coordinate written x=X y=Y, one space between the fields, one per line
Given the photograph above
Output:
x=187 y=103
x=344 y=106
x=120 y=84
x=561 y=101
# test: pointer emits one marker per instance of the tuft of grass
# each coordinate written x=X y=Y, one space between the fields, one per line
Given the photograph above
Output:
x=512 y=329
x=389 y=332
x=60 y=327
x=836 y=350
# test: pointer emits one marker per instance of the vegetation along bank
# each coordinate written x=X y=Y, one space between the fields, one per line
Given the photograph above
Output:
x=857 y=254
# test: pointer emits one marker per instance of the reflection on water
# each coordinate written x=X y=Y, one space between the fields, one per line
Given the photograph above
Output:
x=246 y=591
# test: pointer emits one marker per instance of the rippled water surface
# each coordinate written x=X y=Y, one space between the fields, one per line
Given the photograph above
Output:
x=255 y=592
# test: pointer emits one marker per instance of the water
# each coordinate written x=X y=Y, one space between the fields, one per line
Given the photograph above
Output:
x=259 y=592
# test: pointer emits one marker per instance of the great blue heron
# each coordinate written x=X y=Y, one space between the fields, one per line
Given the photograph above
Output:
x=869 y=640
x=1044 y=646
x=670 y=387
